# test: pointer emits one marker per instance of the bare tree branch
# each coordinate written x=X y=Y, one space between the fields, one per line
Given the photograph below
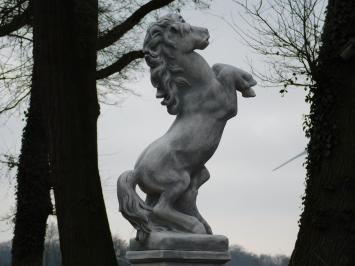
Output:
x=287 y=33
x=13 y=105
x=117 y=32
x=9 y=160
x=16 y=23
x=20 y=37
x=121 y=63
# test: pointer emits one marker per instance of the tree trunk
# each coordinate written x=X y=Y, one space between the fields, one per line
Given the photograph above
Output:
x=327 y=225
x=65 y=34
x=33 y=186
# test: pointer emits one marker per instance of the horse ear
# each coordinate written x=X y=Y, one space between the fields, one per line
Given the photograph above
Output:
x=174 y=28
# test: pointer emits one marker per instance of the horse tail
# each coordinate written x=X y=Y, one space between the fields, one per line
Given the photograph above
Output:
x=132 y=207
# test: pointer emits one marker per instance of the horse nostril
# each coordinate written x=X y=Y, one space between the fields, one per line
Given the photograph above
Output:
x=160 y=94
x=207 y=33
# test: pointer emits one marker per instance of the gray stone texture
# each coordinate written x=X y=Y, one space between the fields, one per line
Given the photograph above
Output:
x=177 y=257
x=171 y=169
x=180 y=241
x=170 y=229
x=167 y=248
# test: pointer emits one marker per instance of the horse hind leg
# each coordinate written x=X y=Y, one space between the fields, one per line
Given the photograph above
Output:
x=151 y=199
x=164 y=209
x=187 y=203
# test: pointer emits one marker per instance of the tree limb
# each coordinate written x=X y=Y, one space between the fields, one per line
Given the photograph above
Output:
x=117 y=32
x=16 y=103
x=119 y=64
x=17 y=23
x=10 y=162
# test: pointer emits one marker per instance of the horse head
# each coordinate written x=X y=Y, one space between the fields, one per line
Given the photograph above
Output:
x=168 y=41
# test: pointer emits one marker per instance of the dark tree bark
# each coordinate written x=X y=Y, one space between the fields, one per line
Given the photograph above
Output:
x=33 y=186
x=327 y=225
x=65 y=35
x=33 y=203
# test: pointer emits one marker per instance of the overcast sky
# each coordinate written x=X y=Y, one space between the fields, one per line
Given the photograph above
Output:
x=244 y=200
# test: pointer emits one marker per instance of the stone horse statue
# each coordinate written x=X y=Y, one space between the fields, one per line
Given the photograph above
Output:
x=172 y=168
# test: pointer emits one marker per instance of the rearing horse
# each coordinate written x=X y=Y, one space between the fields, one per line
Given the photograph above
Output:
x=172 y=168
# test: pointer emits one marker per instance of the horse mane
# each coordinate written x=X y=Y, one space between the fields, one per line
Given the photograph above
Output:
x=158 y=54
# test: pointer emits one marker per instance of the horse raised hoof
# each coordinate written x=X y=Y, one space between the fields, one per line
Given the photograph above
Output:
x=248 y=93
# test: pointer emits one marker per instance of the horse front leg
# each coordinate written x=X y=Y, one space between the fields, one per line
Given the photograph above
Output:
x=235 y=78
x=187 y=203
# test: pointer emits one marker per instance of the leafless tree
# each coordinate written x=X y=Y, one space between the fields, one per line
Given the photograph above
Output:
x=51 y=254
x=287 y=34
x=310 y=48
x=15 y=53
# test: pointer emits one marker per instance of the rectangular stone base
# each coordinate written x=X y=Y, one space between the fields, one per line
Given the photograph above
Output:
x=176 y=264
x=177 y=258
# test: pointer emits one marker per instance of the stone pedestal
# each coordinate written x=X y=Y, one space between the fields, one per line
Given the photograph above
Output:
x=177 y=249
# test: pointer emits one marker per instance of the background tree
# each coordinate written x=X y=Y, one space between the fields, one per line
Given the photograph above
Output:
x=120 y=247
x=33 y=188
x=51 y=254
x=289 y=33
x=33 y=201
x=64 y=55
x=16 y=53
x=327 y=223
x=241 y=257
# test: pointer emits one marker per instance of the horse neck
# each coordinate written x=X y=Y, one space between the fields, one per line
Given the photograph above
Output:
x=199 y=75
x=195 y=69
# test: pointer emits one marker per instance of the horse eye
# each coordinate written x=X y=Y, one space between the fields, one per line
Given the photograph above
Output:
x=181 y=19
x=174 y=29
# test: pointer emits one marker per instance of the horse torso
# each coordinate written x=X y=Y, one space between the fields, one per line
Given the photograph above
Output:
x=196 y=132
